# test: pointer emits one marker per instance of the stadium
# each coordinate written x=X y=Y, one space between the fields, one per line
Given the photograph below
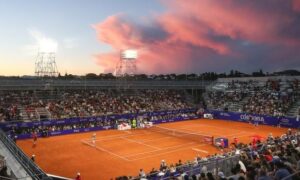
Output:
x=149 y=90
x=132 y=134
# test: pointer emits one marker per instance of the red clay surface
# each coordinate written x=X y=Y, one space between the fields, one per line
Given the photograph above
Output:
x=119 y=153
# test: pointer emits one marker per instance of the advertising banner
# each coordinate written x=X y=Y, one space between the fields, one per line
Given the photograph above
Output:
x=256 y=118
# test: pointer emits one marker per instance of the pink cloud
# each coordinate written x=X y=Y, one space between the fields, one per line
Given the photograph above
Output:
x=296 y=5
x=258 y=21
x=198 y=35
x=190 y=32
x=117 y=32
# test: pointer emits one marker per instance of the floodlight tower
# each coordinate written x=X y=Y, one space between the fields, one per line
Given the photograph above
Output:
x=45 y=65
x=126 y=68
x=127 y=63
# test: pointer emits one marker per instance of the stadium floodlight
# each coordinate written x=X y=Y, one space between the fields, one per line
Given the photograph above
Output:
x=47 y=46
x=127 y=63
x=45 y=65
x=129 y=54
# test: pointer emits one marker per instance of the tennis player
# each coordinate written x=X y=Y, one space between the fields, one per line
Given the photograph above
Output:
x=34 y=138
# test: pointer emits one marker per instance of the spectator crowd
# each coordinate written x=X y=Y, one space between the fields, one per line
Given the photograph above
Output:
x=266 y=98
x=272 y=97
x=88 y=103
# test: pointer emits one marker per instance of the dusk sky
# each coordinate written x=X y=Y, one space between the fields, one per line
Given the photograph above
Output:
x=171 y=36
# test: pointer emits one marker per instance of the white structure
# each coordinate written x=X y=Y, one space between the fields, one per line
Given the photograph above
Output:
x=45 y=65
x=127 y=63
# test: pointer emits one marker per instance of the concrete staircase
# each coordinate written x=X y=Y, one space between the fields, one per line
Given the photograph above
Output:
x=47 y=94
x=189 y=98
x=206 y=99
x=294 y=110
x=24 y=115
x=43 y=113
x=234 y=106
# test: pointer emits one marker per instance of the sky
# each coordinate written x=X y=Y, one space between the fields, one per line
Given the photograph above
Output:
x=170 y=36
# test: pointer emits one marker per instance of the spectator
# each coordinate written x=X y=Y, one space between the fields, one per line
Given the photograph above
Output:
x=78 y=177
x=281 y=171
x=221 y=176
x=142 y=174
x=163 y=165
x=33 y=158
x=263 y=175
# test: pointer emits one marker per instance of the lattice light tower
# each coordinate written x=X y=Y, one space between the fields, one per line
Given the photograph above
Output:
x=126 y=66
x=45 y=65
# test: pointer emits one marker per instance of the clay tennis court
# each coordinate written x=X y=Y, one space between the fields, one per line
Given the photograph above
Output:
x=117 y=153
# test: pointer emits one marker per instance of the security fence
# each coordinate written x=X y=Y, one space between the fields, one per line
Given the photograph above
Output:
x=29 y=166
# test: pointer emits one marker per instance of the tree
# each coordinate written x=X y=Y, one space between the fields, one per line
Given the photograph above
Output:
x=231 y=74
x=91 y=76
x=192 y=76
x=258 y=74
x=181 y=77
x=141 y=77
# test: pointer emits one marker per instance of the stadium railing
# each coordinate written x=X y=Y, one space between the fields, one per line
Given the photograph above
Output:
x=29 y=166
x=35 y=84
x=212 y=165
x=292 y=176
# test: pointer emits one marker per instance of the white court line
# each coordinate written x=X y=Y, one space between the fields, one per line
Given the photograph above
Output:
x=165 y=152
x=199 y=150
x=239 y=132
x=105 y=150
x=129 y=134
x=194 y=130
x=140 y=143
x=143 y=141
x=200 y=132
x=205 y=125
x=156 y=139
x=170 y=147
x=243 y=132
x=217 y=127
x=115 y=136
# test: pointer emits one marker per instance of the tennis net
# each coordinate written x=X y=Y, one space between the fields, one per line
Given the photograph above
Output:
x=202 y=138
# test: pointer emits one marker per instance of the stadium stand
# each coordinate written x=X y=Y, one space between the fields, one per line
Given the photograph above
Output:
x=25 y=105
x=274 y=158
x=270 y=97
